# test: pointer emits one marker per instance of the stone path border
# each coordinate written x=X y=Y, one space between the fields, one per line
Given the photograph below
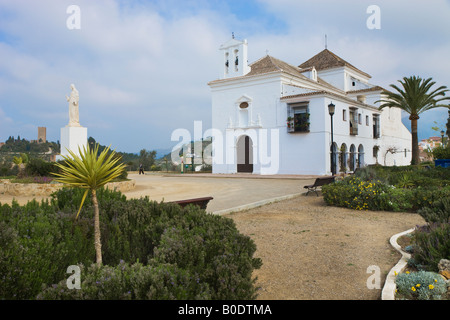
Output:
x=256 y=204
x=388 y=292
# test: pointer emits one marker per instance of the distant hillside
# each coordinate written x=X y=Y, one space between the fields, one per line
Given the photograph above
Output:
x=190 y=146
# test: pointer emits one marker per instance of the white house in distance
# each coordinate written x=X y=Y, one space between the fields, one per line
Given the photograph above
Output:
x=271 y=117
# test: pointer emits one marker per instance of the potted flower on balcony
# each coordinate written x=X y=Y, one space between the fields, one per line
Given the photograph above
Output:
x=290 y=124
x=289 y=121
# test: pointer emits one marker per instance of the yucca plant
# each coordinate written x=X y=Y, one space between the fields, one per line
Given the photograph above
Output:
x=90 y=171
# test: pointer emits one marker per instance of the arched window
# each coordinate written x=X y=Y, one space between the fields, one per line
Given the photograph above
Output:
x=360 y=156
x=352 y=163
x=334 y=154
x=227 y=62
x=244 y=111
x=343 y=158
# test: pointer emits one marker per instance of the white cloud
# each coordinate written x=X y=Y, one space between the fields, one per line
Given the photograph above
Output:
x=142 y=67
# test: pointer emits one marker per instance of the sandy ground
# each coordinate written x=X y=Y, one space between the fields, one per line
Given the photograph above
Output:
x=309 y=251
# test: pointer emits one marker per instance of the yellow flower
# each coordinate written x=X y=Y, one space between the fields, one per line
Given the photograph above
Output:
x=395 y=273
x=418 y=285
x=413 y=288
x=407 y=272
x=435 y=280
x=431 y=287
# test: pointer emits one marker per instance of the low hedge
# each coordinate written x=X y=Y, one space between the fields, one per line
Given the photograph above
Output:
x=401 y=190
x=206 y=253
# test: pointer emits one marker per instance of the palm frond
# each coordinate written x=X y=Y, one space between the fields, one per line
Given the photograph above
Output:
x=414 y=96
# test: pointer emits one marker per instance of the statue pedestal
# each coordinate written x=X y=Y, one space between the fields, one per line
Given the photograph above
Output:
x=71 y=139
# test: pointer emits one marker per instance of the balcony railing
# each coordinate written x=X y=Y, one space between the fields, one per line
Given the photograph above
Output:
x=299 y=123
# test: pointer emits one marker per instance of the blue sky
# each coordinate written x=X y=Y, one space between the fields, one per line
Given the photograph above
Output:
x=142 y=67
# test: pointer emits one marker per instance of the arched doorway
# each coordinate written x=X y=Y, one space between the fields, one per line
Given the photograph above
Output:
x=245 y=154
x=352 y=157
x=343 y=158
x=360 y=156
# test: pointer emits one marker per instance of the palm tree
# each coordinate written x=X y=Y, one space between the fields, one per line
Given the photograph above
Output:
x=90 y=171
x=415 y=97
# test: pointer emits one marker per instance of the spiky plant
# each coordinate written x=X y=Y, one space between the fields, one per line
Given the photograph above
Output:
x=90 y=171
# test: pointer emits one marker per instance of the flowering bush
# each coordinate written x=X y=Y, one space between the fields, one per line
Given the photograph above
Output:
x=402 y=190
x=355 y=193
x=420 y=285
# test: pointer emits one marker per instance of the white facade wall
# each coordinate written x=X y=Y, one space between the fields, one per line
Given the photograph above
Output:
x=305 y=152
x=335 y=77
x=395 y=137
x=277 y=151
x=262 y=113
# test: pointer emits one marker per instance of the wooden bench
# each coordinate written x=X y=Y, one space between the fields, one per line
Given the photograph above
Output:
x=321 y=181
x=201 y=202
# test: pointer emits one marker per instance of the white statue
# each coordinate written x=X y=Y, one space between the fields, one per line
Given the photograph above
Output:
x=74 y=117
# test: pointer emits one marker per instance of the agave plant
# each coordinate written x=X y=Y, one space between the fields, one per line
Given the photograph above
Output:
x=90 y=171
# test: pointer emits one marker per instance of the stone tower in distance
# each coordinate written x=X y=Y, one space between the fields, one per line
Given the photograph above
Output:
x=42 y=135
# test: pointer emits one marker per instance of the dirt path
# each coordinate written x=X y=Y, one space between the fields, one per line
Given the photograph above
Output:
x=314 y=252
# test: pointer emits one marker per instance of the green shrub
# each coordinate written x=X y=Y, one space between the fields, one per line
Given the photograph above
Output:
x=420 y=285
x=39 y=167
x=438 y=212
x=424 y=197
x=441 y=152
x=204 y=253
x=417 y=175
x=130 y=282
x=7 y=170
x=355 y=193
x=207 y=245
x=69 y=199
x=409 y=188
x=431 y=244
x=37 y=246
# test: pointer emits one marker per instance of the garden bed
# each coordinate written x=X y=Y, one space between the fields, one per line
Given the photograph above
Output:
x=414 y=189
x=150 y=251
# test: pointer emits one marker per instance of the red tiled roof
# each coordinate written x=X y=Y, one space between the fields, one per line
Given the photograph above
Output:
x=327 y=60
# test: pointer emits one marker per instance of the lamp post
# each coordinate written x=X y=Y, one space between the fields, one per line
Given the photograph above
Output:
x=331 y=109
x=442 y=137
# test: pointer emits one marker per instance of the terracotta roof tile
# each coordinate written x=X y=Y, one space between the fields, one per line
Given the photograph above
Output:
x=271 y=64
x=374 y=88
x=327 y=60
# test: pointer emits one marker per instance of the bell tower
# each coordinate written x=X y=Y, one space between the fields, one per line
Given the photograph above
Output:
x=234 y=58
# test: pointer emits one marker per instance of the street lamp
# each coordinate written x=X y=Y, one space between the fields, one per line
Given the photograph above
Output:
x=442 y=137
x=331 y=109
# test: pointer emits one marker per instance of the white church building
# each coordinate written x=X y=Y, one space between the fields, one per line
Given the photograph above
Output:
x=271 y=117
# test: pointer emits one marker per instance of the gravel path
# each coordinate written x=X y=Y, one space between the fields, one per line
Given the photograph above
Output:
x=311 y=251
